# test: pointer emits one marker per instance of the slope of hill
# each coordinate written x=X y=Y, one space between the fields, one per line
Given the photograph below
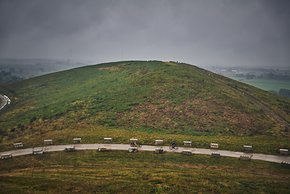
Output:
x=149 y=96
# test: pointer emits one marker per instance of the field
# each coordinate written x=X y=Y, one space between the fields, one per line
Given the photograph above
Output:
x=266 y=84
x=143 y=172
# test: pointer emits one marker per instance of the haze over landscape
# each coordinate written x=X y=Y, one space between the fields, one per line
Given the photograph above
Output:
x=251 y=33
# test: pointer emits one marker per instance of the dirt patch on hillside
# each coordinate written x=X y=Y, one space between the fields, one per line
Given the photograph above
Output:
x=196 y=114
x=112 y=68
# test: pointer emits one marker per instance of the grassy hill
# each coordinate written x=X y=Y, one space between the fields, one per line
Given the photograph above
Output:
x=148 y=100
x=142 y=97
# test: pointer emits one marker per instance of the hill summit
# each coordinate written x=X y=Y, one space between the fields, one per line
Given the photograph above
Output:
x=151 y=95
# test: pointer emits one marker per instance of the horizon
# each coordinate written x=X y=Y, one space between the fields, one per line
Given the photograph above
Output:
x=85 y=62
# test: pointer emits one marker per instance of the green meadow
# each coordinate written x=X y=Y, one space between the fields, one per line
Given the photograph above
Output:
x=142 y=172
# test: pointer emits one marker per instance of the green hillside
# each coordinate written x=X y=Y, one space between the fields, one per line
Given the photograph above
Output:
x=150 y=97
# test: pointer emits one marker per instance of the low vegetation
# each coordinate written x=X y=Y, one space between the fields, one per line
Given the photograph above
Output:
x=167 y=99
x=35 y=137
x=148 y=100
x=143 y=172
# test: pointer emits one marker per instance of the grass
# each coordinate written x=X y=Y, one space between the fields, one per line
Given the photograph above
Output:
x=143 y=172
x=148 y=99
x=138 y=94
x=95 y=134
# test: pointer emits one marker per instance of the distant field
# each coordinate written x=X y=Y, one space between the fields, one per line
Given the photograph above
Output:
x=266 y=84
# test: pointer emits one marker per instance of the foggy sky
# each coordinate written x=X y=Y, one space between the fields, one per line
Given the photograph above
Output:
x=202 y=32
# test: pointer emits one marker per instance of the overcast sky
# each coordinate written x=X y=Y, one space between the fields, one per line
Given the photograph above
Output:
x=202 y=32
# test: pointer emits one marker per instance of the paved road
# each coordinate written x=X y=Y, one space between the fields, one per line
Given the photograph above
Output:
x=56 y=148
x=4 y=100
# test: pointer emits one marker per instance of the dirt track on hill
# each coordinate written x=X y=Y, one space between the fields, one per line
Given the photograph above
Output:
x=124 y=147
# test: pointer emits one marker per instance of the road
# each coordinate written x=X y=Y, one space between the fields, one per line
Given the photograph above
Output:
x=4 y=100
x=56 y=148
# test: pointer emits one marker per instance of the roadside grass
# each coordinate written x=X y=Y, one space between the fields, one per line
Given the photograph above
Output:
x=95 y=134
x=143 y=172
